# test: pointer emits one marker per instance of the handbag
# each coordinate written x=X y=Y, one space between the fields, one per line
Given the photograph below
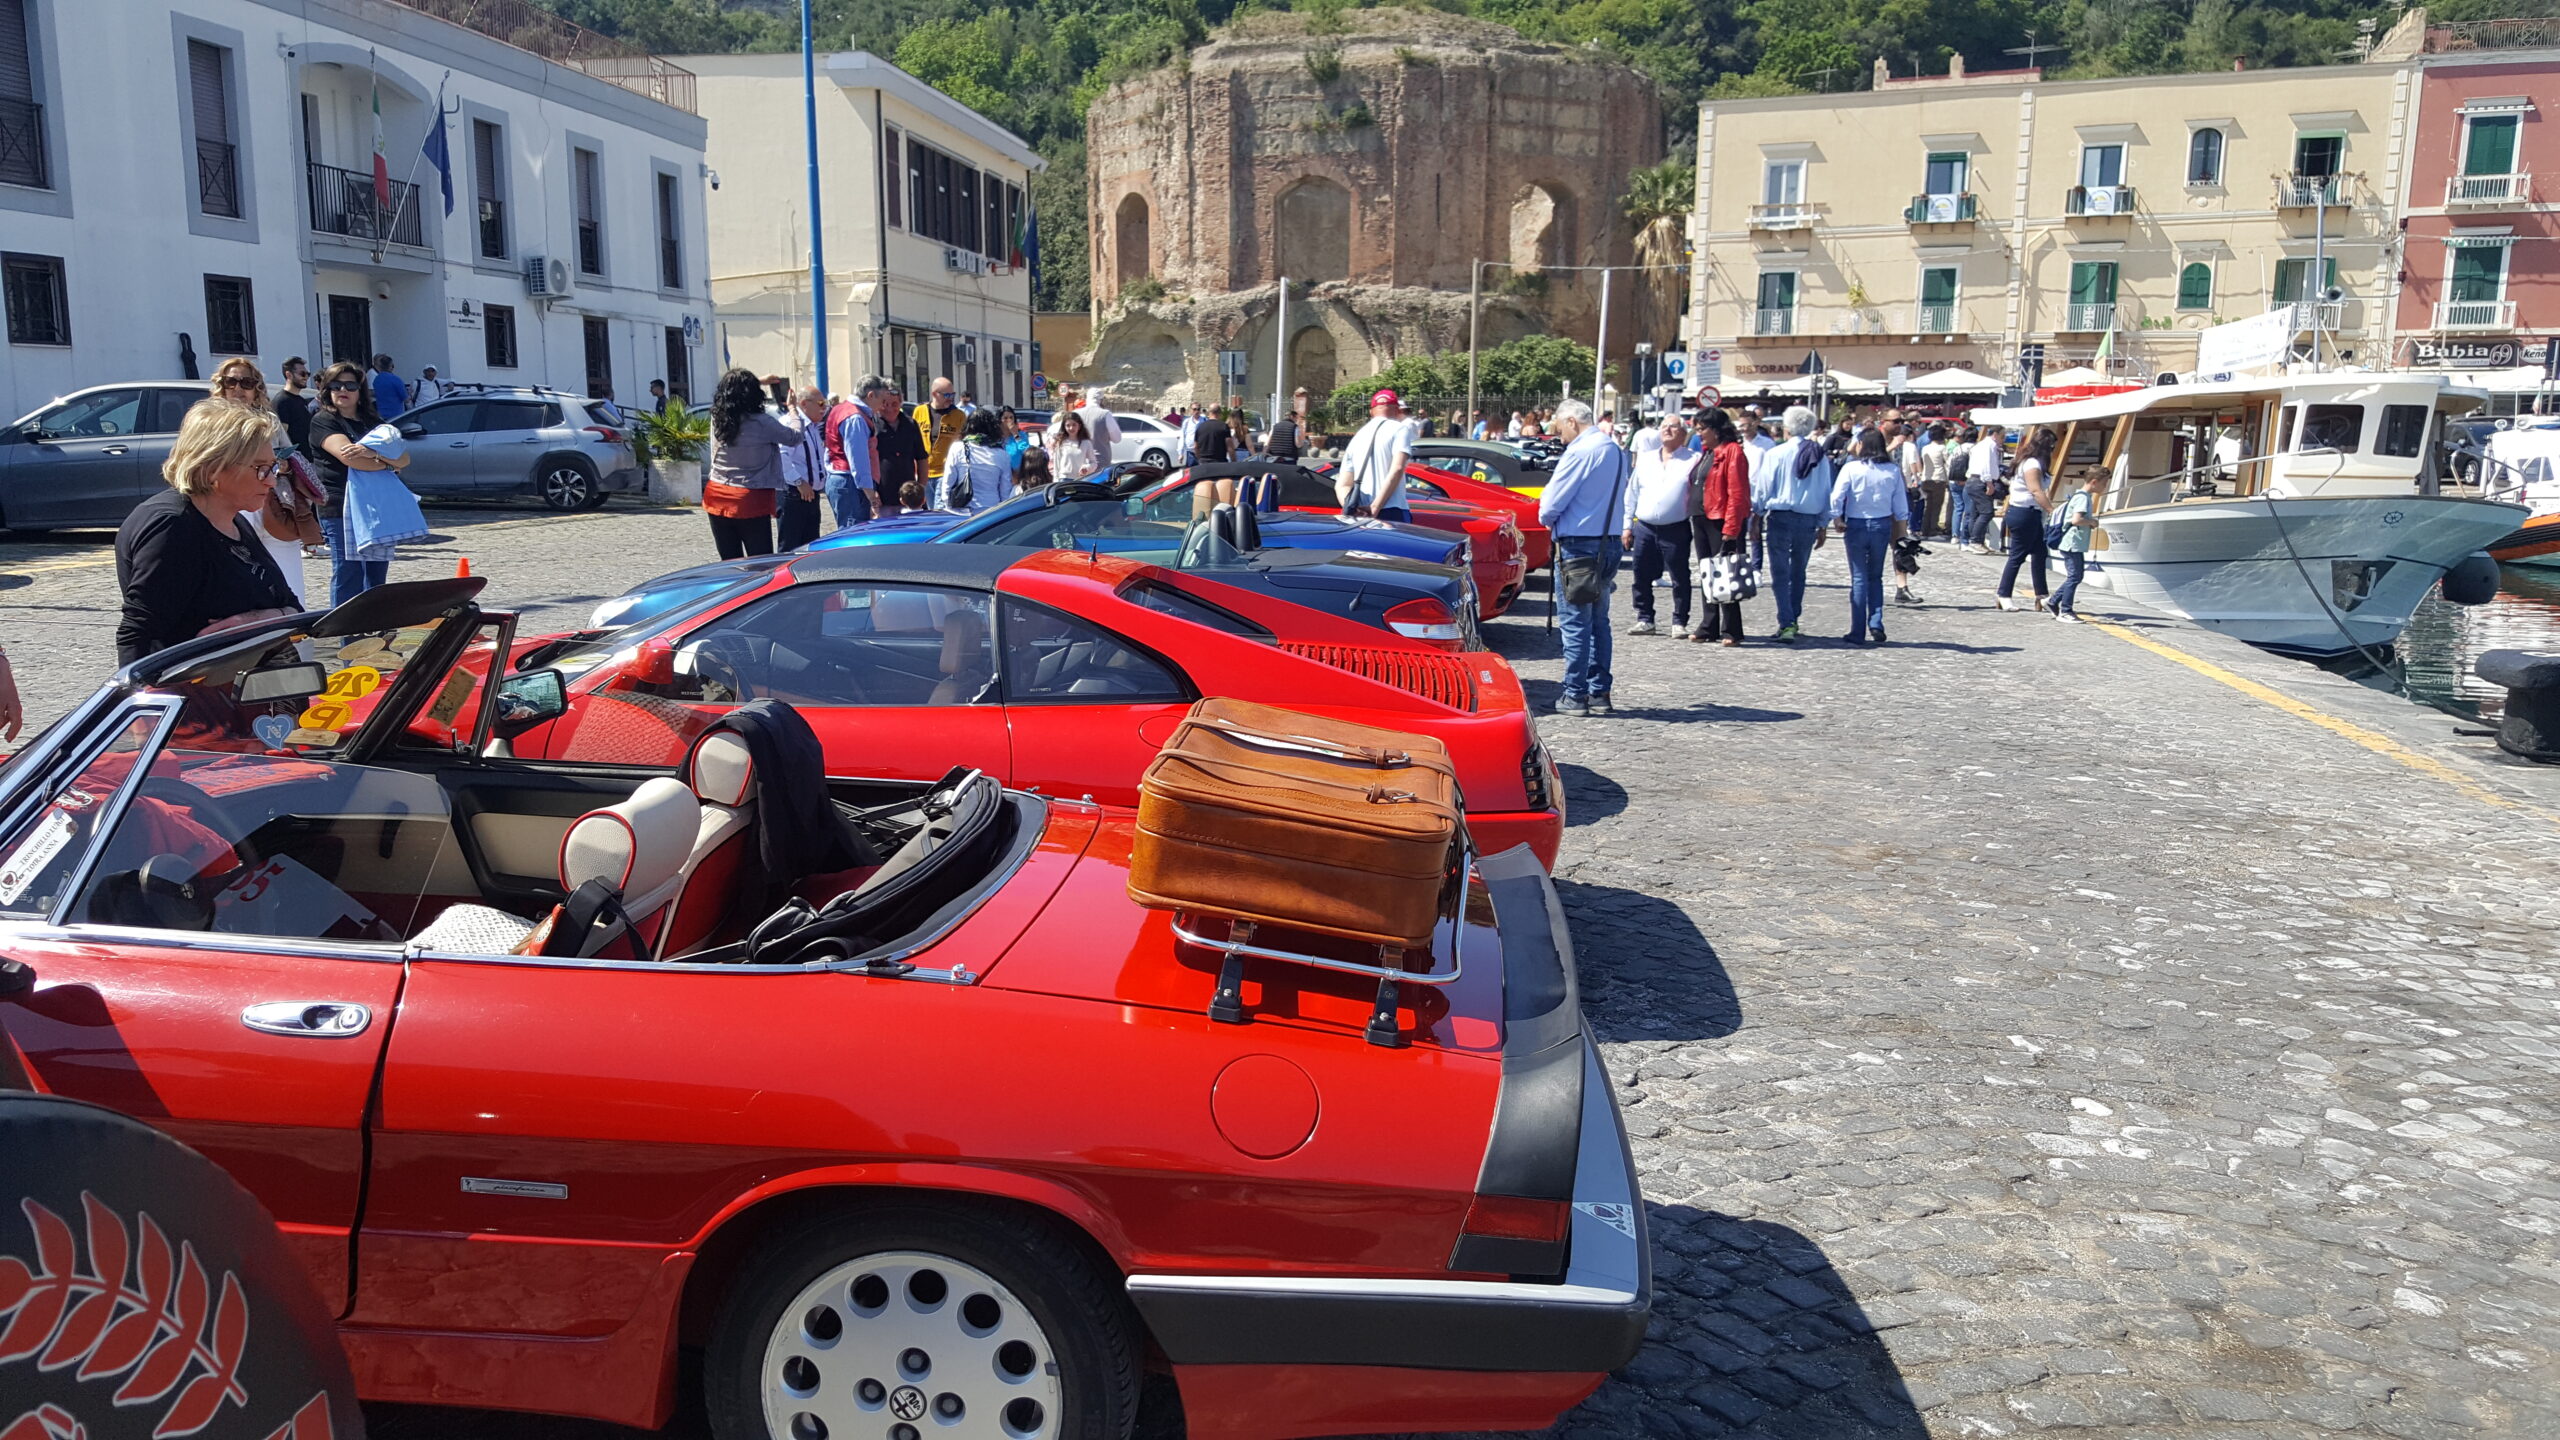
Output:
x=292 y=511
x=1578 y=579
x=1728 y=578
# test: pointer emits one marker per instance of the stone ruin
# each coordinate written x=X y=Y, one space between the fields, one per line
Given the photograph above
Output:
x=1369 y=167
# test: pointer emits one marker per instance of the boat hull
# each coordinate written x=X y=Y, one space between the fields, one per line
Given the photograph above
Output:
x=2535 y=542
x=2240 y=566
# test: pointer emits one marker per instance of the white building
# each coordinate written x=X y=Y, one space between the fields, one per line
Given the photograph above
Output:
x=235 y=212
x=921 y=198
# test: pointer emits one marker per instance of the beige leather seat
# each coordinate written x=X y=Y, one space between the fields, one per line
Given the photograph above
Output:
x=722 y=775
x=965 y=664
x=639 y=847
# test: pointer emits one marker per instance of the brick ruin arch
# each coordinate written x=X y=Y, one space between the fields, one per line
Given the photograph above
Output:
x=1541 y=230
x=1313 y=220
x=1129 y=239
x=1314 y=362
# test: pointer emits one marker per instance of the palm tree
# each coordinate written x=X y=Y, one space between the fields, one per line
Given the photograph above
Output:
x=1657 y=208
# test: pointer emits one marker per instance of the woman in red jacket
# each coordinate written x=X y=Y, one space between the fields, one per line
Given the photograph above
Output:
x=1719 y=514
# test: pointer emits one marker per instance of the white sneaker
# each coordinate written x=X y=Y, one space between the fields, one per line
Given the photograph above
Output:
x=2067 y=618
x=1641 y=627
x=1981 y=549
x=1680 y=632
x=2006 y=603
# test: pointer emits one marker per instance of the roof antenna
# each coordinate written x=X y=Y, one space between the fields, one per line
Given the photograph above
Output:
x=2031 y=49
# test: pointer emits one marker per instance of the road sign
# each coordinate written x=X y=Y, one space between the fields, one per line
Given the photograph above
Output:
x=1897 y=378
x=1710 y=368
x=1675 y=365
x=1709 y=396
x=1039 y=382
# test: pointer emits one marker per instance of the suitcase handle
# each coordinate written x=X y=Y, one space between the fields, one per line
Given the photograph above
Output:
x=1377 y=757
x=1374 y=794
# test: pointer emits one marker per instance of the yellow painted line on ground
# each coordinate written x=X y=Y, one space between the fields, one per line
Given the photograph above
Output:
x=79 y=562
x=2379 y=744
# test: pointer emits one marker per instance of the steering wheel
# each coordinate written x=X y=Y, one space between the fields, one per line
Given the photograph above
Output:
x=726 y=660
x=206 y=811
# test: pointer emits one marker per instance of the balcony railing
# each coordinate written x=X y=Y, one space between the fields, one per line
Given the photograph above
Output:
x=22 y=159
x=2089 y=317
x=2098 y=200
x=528 y=26
x=1779 y=321
x=1790 y=215
x=343 y=203
x=1933 y=320
x=218 y=178
x=493 y=229
x=1938 y=210
x=2314 y=314
x=2475 y=314
x=2304 y=192
x=2513 y=189
x=590 y=248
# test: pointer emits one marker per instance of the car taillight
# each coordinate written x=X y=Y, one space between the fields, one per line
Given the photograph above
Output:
x=1533 y=777
x=1424 y=619
x=611 y=435
x=1506 y=1235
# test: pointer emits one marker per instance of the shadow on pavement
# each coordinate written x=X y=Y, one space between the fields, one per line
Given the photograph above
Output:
x=1589 y=795
x=1718 y=714
x=1646 y=971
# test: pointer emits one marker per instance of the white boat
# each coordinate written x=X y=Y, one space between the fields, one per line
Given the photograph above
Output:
x=2523 y=463
x=2319 y=537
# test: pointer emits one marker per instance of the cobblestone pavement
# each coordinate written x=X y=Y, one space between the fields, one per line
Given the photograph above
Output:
x=2020 y=1030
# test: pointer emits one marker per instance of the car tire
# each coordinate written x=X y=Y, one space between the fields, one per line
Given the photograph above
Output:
x=567 y=484
x=904 y=1319
x=1155 y=457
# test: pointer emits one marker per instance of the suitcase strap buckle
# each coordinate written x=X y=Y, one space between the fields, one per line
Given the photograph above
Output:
x=1381 y=795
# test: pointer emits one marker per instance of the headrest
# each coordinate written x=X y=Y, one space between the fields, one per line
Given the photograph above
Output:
x=895 y=612
x=637 y=845
x=721 y=768
x=964 y=642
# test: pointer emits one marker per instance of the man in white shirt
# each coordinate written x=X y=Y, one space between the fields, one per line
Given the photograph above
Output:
x=429 y=387
x=1371 y=480
x=1656 y=524
x=1759 y=437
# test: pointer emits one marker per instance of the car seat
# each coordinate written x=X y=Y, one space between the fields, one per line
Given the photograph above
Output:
x=631 y=857
x=965 y=667
x=722 y=774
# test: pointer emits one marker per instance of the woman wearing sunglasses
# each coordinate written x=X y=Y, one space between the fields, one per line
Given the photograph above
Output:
x=341 y=420
x=287 y=519
x=186 y=561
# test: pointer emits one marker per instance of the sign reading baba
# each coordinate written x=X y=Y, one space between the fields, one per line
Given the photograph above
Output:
x=2466 y=354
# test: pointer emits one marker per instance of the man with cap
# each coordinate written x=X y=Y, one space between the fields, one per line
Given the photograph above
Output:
x=1371 y=480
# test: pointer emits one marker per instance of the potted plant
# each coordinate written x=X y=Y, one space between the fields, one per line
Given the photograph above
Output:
x=673 y=446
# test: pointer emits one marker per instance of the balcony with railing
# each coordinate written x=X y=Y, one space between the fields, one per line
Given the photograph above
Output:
x=218 y=178
x=2516 y=189
x=2530 y=33
x=2475 y=314
x=2306 y=192
x=2314 y=314
x=343 y=203
x=22 y=158
x=590 y=248
x=2089 y=317
x=2098 y=200
x=1933 y=319
x=1785 y=215
x=1939 y=210
x=1774 y=320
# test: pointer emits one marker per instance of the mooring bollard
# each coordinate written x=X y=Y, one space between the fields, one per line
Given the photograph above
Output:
x=2531 y=726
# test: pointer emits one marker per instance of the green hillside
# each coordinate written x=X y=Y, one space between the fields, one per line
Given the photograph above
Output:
x=1033 y=64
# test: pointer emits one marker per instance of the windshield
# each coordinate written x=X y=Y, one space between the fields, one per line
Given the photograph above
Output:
x=357 y=671
x=1133 y=527
x=627 y=620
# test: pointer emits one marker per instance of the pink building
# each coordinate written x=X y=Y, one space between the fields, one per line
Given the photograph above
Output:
x=2480 y=259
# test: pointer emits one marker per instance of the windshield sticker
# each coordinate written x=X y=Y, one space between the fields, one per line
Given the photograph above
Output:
x=325 y=715
x=234 y=774
x=285 y=897
x=450 y=700
x=355 y=681
x=317 y=739
x=51 y=835
x=275 y=730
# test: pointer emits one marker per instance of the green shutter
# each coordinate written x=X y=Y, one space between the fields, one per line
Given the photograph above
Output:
x=2093 y=283
x=1938 y=286
x=2479 y=273
x=2195 y=287
x=1778 y=290
x=2492 y=146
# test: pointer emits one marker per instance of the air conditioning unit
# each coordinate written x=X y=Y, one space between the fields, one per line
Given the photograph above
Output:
x=1013 y=359
x=548 y=279
x=964 y=352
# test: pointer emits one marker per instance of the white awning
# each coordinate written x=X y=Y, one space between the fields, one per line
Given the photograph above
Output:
x=1958 y=381
x=1843 y=383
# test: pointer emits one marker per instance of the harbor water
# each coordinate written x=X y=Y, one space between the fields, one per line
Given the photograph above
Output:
x=2436 y=652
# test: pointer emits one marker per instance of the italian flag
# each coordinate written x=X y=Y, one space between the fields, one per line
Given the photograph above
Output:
x=381 y=160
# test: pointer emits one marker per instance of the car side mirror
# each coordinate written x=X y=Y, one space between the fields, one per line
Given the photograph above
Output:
x=282 y=682
x=1133 y=507
x=413 y=432
x=534 y=698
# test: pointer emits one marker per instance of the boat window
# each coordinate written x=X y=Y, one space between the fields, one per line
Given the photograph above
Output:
x=2404 y=431
x=2284 y=428
x=2331 y=427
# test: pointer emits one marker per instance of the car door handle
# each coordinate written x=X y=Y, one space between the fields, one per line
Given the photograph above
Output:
x=115 y=449
x=334 y=1019
x=457 y=445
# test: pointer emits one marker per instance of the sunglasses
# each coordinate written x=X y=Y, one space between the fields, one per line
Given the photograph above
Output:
x=349 y=386
x=236 y=382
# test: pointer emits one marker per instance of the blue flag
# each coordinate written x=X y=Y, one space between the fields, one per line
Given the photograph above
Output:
x=1031 y=243
x=438 y=154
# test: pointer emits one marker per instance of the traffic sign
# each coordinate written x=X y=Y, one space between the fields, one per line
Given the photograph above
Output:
x=1039 y=382
x=1675 y=365
x=1710 y=368
x=1709 y=397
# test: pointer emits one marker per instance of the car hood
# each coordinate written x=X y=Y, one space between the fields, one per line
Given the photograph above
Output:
x=896 y=530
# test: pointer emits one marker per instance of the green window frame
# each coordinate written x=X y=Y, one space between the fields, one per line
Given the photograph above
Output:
x=1948 y=172
x=2489 y=144
x=2290 y=275
x=2093 y=282
x=2479 y=275
x=1777 y=290
x=2195 y=286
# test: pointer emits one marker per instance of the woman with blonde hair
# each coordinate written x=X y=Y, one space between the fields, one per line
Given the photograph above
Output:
x=289 y=519
x=186 y=562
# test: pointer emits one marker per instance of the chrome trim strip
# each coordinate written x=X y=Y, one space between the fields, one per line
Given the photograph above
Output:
x=1350 y=1288
x=1348 y=967
x=521 y=1189
x=223 y=941
x=114 y=812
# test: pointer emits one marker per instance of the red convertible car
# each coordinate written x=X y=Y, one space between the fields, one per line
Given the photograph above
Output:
x=1497 y=551
x=1059 y=671
x=976 y=1161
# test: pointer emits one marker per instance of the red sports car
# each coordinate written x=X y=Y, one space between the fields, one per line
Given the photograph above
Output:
x=1426 y=482
x=1497 y=552
x=961 y=1150
x=1059 y=671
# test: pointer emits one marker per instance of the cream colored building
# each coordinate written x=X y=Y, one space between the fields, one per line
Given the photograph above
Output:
x=1946 y=221
x=922 y=201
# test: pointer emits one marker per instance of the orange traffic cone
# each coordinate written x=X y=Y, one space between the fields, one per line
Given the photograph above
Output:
x=463 y=570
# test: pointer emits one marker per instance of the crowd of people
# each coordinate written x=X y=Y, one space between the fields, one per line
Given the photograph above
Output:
x=1716 y=503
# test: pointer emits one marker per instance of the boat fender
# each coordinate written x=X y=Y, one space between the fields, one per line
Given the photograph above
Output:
x=2529 y=726
x=2473 y=580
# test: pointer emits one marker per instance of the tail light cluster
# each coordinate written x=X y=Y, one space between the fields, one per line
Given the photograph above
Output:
x=1506 y=1235
x=1533 y=778
x=610 y=435
x=1425 y=619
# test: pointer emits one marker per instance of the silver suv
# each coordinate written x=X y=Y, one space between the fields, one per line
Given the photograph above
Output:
x=570 y=451
x=91 y=456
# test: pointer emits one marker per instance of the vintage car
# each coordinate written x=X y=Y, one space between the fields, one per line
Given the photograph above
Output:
x=978 y=1161
x=1059 y=671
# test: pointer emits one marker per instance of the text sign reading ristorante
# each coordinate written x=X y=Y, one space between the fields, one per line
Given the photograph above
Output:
x=2465 y=354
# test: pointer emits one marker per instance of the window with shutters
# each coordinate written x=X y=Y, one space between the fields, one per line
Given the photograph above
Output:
x=39 y=309
x=587 y=181
x=1012 y=248
x=2293 y=280
x=230 y=320
x=670 y=234
x=2195 y=286
x=2204 y=156
x=2489 y=144
x=489 y=186
x=22 y=143
x=991 y=201
x=498 y=336
x=894 y=166
x=217 y=159
x=965 y=207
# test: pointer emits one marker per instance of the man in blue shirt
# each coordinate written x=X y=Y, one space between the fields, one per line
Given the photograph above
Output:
x=390 y=393
x=1581 y=507
x=1799 y=492
x=1869 y=502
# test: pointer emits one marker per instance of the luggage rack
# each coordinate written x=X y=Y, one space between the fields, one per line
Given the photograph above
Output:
x=1226 y=1005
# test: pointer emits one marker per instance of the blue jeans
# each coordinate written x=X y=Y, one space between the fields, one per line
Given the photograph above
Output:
x=1585 y=628
x=1959 y=512
x=1867 y=541
x=1791 y=537
x=2075 y=563
x=850 y=503
x=1396 y=514
x=349 y=577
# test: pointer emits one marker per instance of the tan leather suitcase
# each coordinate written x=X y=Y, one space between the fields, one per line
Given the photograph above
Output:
x=1257 y=813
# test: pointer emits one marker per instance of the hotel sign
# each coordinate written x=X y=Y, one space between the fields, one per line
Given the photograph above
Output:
x=2465 y=354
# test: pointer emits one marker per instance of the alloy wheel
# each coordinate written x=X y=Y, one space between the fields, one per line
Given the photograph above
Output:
x=905 y=1344
x=566 y=487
